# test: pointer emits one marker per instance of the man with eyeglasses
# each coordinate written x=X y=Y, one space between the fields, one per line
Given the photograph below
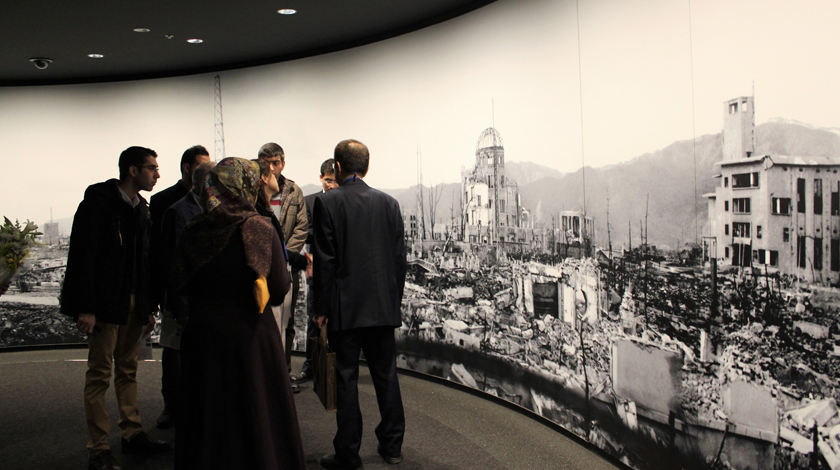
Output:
x=290 y=209
x=169 y=340
x=106 y=291
x=312 y=330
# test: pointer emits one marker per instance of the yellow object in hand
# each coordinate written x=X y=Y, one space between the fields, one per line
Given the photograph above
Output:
x=261 y=294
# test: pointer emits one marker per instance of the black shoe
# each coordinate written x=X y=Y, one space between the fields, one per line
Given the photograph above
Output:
x=166 y=419
x=302 y=377
x=295 y=388
x=103 y=461
x=331 y=462
x=141 y=444
x=388 y=459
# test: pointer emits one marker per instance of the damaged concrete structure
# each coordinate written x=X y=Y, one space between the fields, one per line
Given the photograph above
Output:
x=777 y=212
x=490 y=201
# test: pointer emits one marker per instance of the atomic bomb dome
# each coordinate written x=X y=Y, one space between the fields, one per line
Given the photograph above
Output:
x=488 y=139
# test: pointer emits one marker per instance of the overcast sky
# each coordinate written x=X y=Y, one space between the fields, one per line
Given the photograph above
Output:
x=515 y=64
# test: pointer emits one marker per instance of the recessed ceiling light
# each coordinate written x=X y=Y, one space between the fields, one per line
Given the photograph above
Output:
x=287 y=11
x=141 y=30
x=96 y=56
x=195 y=41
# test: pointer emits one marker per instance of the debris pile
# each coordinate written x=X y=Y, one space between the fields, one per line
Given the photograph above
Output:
x=29 y=324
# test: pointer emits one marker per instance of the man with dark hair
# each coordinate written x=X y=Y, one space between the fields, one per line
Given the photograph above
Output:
x=327 y=179
x=290 y=209
x=174 y=310
x=160 y=202
x=360 y=267
x=106 y=291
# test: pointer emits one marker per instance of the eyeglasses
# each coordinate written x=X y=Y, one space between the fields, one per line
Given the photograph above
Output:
x=329 y=181
x=149 y=167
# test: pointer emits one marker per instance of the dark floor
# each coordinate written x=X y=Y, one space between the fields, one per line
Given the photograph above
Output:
x=42 y=423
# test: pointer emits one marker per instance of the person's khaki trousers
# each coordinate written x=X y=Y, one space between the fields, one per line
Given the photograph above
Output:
x=115 y=346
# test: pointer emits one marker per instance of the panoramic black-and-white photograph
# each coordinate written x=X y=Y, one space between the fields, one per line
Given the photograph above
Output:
x=621 y=217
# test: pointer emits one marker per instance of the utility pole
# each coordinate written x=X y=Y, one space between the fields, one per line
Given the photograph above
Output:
x=421 y=209
x=219 y=127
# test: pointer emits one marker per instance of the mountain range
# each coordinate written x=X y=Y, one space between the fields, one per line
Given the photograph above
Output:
x=660 y=183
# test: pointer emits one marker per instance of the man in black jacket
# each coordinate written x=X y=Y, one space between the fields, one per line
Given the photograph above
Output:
x=360 y=266
x=106 y=290
x=160 y=202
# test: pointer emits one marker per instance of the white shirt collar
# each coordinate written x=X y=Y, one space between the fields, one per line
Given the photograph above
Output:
x=133 y=202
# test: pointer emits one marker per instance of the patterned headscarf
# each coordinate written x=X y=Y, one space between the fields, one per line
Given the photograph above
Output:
x=232 y=178
x=231 y=188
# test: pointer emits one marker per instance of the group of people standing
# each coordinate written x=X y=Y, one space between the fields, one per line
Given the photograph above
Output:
x=221 y=254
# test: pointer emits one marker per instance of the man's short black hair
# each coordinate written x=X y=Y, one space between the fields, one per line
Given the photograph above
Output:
x=328 y=166
x=271 y=150
x=192 y=153
x=353 y=156
x=133 y=156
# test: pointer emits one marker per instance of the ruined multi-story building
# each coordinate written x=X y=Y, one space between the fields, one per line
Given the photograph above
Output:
x=777 y=212
x=491 y=205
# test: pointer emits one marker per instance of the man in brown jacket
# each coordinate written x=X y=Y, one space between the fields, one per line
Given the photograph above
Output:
x=289 y=207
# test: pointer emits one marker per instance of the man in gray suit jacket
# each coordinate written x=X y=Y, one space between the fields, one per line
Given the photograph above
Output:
x=360 y=267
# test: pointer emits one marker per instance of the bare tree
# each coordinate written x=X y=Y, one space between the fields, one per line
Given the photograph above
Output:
x=435 y=192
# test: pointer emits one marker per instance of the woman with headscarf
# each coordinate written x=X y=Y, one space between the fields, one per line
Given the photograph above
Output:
x=238 y=411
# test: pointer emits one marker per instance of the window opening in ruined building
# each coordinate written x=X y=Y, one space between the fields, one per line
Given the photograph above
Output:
x=745 y=180
x=800 y=195
x=755 y=256
x=781 y=205
x=726 y=182
x=502 y=180
x=726 y=206
x=762 y=257
x=785 y=234
x=502 y=207
x=546 y=300
x=758 y=231
x=733 y=108
x=818 y=254
x=726 y=252
x=835 y=254
x=835 y=203
x=774 y=258
x=741 y=229
x=726 y=229
x=479 y=200
x=741 y=205
x=818 y=196
x=741 y=254
x=800 y=251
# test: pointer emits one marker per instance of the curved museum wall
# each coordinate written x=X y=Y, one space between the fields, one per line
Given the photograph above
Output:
x=607 y=235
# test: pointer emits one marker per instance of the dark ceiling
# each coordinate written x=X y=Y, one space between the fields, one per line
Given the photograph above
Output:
x=235 y=34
